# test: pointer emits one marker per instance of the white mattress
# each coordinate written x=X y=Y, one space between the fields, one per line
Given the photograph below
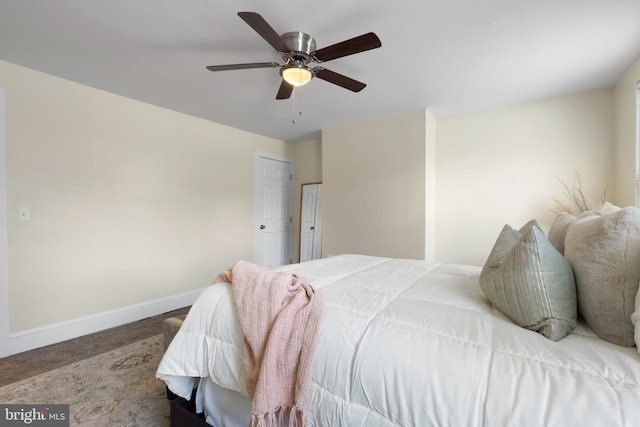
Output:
x=414 y=343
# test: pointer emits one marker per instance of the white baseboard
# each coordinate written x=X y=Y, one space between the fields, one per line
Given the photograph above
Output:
x=62 y=331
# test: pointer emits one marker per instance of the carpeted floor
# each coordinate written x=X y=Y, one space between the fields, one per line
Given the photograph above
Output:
x=107 y=378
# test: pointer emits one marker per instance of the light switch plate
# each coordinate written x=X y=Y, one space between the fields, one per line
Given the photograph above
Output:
x=24 y=214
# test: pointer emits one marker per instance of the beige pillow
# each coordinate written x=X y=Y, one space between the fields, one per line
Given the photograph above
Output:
x=560 y=224
x=558 y=230
x=604 y=251
x=531 y=282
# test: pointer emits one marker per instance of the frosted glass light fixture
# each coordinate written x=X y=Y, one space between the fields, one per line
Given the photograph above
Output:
x=296 y=74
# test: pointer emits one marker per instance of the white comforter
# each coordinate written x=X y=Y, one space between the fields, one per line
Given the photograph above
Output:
x=415 y=343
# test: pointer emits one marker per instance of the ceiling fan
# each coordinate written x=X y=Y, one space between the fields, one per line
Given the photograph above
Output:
x=298 y=50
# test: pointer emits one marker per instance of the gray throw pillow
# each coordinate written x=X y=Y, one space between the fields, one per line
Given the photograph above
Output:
x=604 y=251
x=531 y=282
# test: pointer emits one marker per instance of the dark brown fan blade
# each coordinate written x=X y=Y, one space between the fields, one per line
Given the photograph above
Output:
x=339 y=79
x=348 y=47
x=285 y=90
x=265 y=30
x=242 y=66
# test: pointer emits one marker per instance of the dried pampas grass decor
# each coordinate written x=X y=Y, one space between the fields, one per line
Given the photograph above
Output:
x=578 y=202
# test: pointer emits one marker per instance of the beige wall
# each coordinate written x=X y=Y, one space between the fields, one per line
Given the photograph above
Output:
x=5 y=342
x=463 y=177
x=625 y=130
x=431 y=194
x=502 y=166
x=129 y=202
x=307 y=158
x=374 y=187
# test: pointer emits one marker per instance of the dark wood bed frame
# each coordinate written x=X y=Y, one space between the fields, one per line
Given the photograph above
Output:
x=183 y=412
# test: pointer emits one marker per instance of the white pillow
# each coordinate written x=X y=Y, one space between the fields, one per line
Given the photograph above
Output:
x=608 y=207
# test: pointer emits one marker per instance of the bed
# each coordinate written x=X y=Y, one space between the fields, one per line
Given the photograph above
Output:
x=412 y=343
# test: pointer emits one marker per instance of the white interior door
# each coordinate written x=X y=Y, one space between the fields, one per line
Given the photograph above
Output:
x=317 y=229
x=274 y=211
x=308 y=221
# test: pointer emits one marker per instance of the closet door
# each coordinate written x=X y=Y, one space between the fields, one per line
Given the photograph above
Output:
x=310 y=220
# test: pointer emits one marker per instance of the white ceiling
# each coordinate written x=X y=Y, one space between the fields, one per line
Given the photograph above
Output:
x=449 y=56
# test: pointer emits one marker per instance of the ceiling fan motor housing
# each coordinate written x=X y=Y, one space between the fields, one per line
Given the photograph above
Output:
x=301 y=44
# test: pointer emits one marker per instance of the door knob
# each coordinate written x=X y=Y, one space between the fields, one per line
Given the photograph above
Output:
x=262 y=227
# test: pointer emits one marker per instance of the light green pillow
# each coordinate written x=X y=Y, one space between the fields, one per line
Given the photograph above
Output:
x=527 y=279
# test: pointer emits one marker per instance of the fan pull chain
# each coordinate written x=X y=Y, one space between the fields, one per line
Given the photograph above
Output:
x=293 y=99
x=293 y=104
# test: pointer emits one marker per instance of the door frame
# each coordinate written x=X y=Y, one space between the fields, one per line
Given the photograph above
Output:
x=5 y=335
x=256 y=221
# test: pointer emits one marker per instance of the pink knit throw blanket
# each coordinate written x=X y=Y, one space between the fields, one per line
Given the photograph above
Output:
x=279 y=315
